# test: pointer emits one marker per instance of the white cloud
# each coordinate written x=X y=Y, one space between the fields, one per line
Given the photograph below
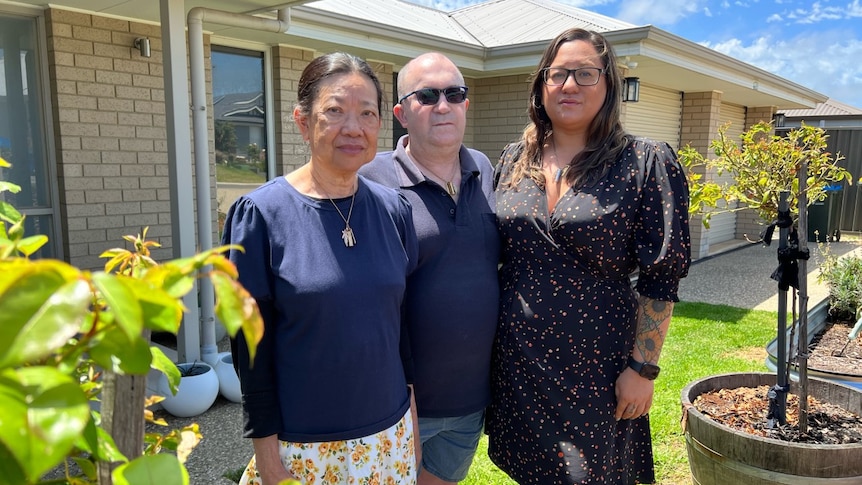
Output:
x=820 y=13
x=801 y=59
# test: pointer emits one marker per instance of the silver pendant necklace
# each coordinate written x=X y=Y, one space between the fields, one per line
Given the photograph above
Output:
x=347 y=234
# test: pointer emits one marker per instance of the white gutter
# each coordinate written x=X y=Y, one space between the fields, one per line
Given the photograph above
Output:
x=196 y=17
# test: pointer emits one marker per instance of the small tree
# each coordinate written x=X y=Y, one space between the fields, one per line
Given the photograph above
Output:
x=225 y=139
x=762 y=166
x=770 y=172
x=62 y=329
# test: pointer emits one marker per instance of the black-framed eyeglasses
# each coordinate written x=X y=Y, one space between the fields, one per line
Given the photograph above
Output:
x=584 y=76
x=431 y=96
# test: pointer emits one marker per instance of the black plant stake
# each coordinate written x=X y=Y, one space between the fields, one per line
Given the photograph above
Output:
x=778 y=394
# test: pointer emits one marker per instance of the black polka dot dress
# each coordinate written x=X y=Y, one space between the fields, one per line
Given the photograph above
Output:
x=568 y=316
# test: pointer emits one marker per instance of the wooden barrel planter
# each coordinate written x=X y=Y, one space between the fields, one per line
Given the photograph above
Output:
x=720 y=455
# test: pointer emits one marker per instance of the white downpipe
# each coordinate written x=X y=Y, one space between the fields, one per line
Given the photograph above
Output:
x=196 y=18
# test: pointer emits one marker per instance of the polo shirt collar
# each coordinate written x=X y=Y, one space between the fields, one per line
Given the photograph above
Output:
x=410 y=175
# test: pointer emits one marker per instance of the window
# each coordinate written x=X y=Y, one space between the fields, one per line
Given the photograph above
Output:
x=22 y=128
x=239 y=111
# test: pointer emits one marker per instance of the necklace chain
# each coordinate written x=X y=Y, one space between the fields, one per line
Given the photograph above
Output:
x=347 y=234
x=450 y=187
x=561 y=171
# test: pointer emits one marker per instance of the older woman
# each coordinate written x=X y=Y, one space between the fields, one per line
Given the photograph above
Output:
x=581 y=205
x=327 y=254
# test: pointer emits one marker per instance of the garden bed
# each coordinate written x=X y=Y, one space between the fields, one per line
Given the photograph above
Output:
x=831 y=352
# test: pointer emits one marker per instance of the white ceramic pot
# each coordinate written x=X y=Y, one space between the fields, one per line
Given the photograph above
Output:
x=195 y=394
x=228 y=382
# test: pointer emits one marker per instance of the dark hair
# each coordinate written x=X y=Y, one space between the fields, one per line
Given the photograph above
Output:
x=605 y=138
x=328 y=65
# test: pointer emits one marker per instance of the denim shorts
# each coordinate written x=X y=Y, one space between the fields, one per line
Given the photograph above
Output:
x=449 y=444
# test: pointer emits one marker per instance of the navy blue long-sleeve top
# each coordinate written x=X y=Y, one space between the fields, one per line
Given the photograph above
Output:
x=330 y=365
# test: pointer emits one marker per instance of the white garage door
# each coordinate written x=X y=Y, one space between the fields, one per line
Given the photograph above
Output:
x=657 y=115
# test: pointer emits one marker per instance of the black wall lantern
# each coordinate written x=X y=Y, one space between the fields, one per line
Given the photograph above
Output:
x=631 y=89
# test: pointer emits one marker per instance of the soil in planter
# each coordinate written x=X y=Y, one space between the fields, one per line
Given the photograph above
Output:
x=745 y=408
x=830 y=351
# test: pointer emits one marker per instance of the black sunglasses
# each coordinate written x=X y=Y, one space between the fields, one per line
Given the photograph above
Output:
x=430 y=96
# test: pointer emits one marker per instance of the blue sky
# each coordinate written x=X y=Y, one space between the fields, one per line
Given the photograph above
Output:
x=815 y=44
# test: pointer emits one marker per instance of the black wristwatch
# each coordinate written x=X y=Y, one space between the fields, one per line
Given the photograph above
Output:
x=644 y=369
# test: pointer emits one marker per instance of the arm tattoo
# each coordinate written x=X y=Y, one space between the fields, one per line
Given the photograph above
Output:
x=653 y=317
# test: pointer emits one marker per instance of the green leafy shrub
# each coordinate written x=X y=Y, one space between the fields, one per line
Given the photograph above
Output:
x=63 y=330
x=843 y=277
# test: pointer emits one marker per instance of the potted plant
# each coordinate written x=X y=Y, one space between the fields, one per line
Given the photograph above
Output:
x=198 y=390
x=64 y=331
x=773 y=176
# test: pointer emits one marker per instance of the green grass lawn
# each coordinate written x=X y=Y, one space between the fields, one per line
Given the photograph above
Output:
x=238 y=174
x=703 y=340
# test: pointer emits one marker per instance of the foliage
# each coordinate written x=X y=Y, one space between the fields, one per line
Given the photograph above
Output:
x=225 y=137
x=763 y=165
x=843 y=277
x=704 y=196
x=253 y=152
x=63 y=328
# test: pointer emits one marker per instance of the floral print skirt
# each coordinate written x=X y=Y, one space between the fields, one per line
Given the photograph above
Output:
x=384 y=458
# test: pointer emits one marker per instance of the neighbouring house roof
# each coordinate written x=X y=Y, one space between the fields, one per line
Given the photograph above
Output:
x=830 y=107
x=247 y=107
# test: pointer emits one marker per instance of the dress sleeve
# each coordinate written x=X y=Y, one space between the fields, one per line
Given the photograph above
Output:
x=662 y=238
x=247 y=227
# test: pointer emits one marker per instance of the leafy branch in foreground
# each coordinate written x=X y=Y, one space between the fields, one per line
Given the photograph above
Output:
x=62 y=329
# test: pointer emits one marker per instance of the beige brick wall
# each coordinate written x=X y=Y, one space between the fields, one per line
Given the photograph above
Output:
x=748 y=223
x=756 y=114
x=499 y=112
x=287 y=66
x=109 y=120
x=384 y=72
x=700 y=121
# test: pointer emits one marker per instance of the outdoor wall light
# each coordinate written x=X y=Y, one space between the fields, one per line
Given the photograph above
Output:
x=631 y=90
x=143 y=45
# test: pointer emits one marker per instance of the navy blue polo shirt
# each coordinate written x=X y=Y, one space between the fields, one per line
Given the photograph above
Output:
x=451 y=302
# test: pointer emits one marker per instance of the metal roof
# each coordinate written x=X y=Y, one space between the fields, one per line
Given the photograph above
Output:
x=488 y=24
x=399 y=14
x=489 y=39
x=507 y=22
x=830 y=107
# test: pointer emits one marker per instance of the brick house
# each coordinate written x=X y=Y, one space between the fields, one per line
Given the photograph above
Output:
x=101 y=137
